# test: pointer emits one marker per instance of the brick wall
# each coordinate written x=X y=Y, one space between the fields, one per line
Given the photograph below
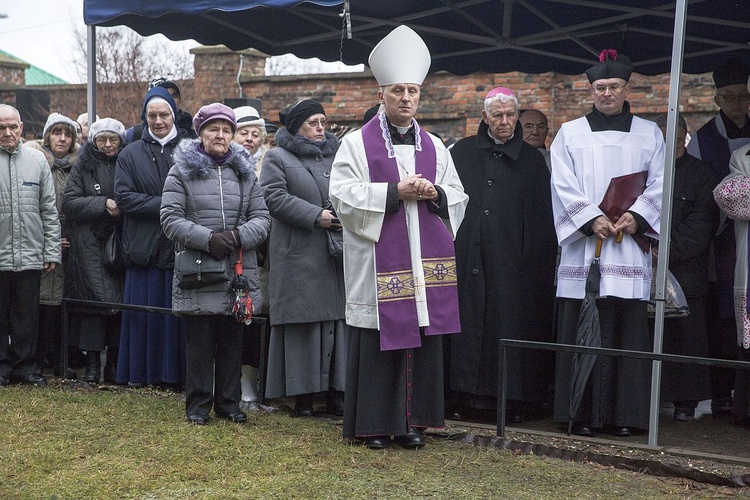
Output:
x=450 y=105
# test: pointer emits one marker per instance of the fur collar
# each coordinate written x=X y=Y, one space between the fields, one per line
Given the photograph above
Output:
x=192 y=164
x=298 y=147
x=89 y=158
x=37 y=144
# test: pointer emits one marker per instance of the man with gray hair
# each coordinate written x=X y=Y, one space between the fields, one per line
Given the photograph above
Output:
x=505 y=260
x=29 y=245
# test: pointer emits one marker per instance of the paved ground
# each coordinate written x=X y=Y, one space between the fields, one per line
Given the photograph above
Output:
x=707 y=434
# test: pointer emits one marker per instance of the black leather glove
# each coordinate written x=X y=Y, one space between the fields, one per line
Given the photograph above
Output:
x=233 y=237
x=219 y=245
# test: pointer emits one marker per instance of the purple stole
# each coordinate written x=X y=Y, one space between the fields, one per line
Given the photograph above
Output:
x=397 y=307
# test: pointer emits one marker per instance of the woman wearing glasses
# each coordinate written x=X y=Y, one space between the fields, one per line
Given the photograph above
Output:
x=90 y=208
x=152 y=344
x=307 y=352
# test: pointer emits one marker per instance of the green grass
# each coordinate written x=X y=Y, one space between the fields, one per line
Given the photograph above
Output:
x=78 y=443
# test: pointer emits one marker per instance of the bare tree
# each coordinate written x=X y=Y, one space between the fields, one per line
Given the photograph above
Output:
x=289 y=64
x=125 y=63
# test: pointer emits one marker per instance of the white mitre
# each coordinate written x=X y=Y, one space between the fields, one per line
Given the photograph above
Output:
x=400 y=57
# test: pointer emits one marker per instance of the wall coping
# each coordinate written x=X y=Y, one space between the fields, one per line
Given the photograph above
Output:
x=221 y=49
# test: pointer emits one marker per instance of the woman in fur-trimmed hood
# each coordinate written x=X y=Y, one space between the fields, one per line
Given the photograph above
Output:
x=212 y=202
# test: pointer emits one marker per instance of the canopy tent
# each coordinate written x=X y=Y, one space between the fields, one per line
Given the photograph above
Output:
x=464 y=36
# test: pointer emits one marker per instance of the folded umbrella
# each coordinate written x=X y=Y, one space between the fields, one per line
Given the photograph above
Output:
x=589 y=334
x=242 y=306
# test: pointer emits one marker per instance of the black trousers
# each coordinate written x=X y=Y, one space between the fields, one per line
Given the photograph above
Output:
x=19 y=322
x=213 y=358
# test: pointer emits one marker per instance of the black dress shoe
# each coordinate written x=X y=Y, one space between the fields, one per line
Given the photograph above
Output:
x=29 y=379
x=684 y=414
x=514 y=417
x=238 y=417
x=620 y=431
x=454 y=415
x=197 y=419
x=412 y=440
x=378 y=442
x=335 y=403
x=303 y=405
x=70 y=373
x=583 y=429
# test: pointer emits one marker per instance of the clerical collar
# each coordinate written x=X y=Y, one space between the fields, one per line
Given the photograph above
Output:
x=733 y=131
x=399 y=138
x=619 y=122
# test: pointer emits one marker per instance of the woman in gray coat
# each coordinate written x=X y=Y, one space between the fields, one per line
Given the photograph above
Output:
x=307 y=352
x=212 y=202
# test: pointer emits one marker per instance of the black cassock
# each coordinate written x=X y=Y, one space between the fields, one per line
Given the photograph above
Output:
x=506 y=250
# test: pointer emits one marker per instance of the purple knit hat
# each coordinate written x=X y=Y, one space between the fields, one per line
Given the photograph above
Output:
x=211 y=112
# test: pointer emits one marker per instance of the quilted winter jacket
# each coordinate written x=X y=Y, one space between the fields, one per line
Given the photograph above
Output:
x=200 y=198
x=29 y=224
x=90 y=184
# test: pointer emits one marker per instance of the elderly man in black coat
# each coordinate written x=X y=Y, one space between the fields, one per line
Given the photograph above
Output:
x=505 y=256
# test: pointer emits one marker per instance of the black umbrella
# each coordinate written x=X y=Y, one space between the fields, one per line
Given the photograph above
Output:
x=588 y=334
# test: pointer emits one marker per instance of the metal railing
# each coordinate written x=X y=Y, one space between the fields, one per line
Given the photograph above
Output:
x=618 y=353
x=65 y=332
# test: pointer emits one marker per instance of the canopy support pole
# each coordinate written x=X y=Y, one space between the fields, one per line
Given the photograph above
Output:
x=91 y=73
x=678 y=46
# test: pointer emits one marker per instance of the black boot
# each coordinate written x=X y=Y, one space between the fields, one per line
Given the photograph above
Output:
x=93 y=367
x=303 y=405
x=111 y=367
x=335 y=403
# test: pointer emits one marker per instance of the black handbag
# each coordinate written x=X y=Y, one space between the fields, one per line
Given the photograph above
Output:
x=112 y=252
x=335 y=237
x=197 y=269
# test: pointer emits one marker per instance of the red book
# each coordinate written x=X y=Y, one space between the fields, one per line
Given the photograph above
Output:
x=620 y=196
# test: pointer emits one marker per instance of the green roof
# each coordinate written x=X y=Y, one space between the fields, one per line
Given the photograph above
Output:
x=33 y=75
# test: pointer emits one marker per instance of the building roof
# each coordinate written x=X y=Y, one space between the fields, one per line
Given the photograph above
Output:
x=33 y=75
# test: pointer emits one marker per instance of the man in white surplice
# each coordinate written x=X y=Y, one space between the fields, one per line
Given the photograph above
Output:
x=586 y=154
x=400 y=201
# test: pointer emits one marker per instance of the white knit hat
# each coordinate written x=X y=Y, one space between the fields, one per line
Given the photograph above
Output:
x=248 y=115
x=400 y=57
x=107 y=125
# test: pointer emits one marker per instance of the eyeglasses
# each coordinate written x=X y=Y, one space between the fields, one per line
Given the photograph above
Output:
x=532 y=126
x=615 y=88
x=102 y=140
x=163 y=116
x=732 y=98
x=322 y=122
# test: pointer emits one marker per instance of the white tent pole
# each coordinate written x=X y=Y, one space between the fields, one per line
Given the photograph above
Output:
x=91 y=73
x=678 y=46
